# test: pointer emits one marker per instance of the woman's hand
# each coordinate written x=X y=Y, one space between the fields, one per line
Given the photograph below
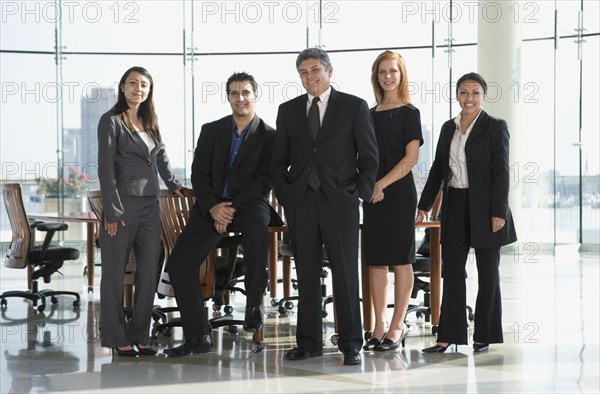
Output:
x=421 y=216
x=497 y=224
x=179 y=191
x=111 y=228
x=378 y=194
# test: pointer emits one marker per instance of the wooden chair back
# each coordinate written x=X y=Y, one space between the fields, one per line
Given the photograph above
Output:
x=21 y=239
x=174 y=216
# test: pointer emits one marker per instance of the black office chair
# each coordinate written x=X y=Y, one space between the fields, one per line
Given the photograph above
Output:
x=45 y=259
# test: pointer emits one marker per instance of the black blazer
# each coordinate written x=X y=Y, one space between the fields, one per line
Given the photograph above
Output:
x=126 y=168
x=250 y=176
x=486 y=151
x=345 y=151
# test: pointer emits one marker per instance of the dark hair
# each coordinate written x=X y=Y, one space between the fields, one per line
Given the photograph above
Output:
x=242 y=77
x=146 y=112
x=313 y=53
x=402 y=87
x=472 y=76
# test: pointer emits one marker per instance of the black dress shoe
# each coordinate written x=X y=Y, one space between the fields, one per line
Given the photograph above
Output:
x=191 y=346
x=301 y=353
x=373 y=343
x=352 y=357
x=480 y=347
x=253 y=320
x=146 y=351
x=388 y=345
x=125 y=353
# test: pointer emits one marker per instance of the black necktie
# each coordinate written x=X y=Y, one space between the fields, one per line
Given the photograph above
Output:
x=314 y=124
x=314 y=118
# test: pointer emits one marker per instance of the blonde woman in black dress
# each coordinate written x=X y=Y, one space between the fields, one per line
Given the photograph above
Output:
x=389 y=226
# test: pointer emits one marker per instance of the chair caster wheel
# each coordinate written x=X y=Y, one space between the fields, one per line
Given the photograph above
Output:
x=216 y=308
x=41 y=308
x=76 y=304
x=168 y=332
x=282 y=310
x=234 y=330
x=256 y=347
x=334 y=339
x=274 y=302
x=289 y=305
x=228 y=309
x=3 y=303
x=54 y=300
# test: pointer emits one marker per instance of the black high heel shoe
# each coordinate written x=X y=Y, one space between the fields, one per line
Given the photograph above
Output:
x=438 y=348
x=125 y=353
x=146 y=351
x=374 y=343
x=387 y=344
x=480 y=347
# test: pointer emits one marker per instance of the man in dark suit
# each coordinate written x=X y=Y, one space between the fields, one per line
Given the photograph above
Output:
x=325 y=158
x=231 y=180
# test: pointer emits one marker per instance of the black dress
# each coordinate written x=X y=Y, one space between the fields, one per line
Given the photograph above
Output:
x=389 y=225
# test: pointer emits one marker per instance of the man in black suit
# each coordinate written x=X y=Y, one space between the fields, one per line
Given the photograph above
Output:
x=325 y=158
x=231 y=180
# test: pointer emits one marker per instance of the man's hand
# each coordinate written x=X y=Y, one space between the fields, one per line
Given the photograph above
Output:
x=222 y=213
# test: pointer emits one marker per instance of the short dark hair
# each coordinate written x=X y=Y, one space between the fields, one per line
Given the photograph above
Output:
x=242 y=77
x=314 y=53
x=472 y=76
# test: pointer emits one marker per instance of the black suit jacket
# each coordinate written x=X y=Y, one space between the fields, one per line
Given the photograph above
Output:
x=486 y=152
x=250 y=175
x=345 y=151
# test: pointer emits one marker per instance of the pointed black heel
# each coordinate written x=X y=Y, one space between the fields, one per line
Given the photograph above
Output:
x=439 y=348
x=480 y=347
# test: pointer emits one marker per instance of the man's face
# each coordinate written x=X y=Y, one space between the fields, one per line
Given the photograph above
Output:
x=242 y=98
x=315 y=78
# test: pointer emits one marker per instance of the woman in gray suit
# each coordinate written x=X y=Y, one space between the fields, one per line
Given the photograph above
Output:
x=471 y=165
x=131 y=154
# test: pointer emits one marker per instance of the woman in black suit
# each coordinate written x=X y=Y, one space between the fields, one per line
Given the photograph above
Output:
x=131 y=154
x=471 y=164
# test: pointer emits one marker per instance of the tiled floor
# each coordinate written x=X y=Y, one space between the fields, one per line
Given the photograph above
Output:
x=550 y=326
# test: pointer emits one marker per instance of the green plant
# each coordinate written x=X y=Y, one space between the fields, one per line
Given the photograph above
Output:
x=73 y=184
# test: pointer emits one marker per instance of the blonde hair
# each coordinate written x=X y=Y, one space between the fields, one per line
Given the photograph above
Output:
x=402 y=87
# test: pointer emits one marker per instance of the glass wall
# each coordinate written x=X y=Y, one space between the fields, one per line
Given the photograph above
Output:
x=56 y=86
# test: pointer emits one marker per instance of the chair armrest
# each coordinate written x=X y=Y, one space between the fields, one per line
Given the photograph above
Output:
x=54 y=226
x=50 y=228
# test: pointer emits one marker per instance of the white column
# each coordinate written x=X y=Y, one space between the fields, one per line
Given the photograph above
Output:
x=499 y=62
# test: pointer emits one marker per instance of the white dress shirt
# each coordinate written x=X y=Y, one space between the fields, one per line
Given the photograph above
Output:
x=458 y=160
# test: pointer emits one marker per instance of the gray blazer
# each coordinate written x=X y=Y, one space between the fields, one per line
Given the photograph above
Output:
x=126 y=168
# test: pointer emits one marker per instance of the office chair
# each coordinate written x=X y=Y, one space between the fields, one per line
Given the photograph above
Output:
x=44 y=260
x=219 y=273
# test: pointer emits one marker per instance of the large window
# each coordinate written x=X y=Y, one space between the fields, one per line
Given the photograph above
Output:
x=60 y=63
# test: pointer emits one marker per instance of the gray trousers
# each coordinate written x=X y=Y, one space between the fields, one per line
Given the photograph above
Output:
x=142 y=235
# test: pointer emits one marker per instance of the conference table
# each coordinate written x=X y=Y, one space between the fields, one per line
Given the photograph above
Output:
x=91 y=221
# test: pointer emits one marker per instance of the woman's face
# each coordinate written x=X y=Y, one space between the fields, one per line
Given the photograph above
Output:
x=388 y=75
x=470 y=96
x=136 y=88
